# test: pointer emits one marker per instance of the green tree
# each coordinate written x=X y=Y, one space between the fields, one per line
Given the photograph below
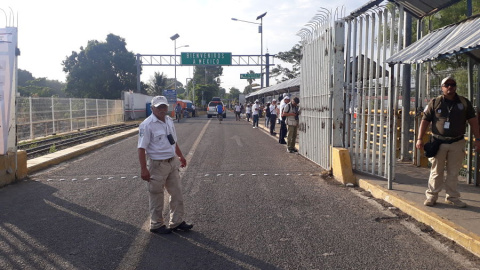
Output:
x=38 y=87
x=249 y=88
x=207 y=80
x=250 y=81
x=101 y=70
x=234 y=93
x=23 y=77
x=293 y=57
x=158 y=83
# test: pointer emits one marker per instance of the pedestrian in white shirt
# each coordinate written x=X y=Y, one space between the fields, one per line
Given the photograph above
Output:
x=255 y=113
x=157 y=151
x=273 y=116
x=238 y=110
x=283 y=126
x=249 y=112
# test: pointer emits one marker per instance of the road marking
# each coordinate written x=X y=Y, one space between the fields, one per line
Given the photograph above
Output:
x=238 y=140
x=132 y=257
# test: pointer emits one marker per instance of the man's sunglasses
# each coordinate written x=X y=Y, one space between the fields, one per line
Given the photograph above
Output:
x=450 y=84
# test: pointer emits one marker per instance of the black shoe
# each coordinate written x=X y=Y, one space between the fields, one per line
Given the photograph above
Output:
x=282 y=142
x=290 y=151
x=295 y=150
x=183 y=226
x=161 y=230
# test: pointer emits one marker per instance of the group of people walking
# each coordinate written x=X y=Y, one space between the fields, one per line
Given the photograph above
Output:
x=286 y=114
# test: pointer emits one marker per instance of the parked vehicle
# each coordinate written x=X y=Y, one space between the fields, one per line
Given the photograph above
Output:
x=212 y=109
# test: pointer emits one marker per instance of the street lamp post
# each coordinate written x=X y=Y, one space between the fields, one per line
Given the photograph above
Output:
x=260 y=30
x=174 y=38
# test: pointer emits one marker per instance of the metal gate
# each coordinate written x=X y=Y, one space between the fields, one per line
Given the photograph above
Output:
x=321 y=88
x=351 y=102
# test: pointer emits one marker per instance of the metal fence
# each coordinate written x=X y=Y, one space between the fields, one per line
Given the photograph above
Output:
x=322 y=82
x=38 y=117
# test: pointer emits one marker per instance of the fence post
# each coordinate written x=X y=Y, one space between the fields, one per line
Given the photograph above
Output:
x=31 y=118
x=71 y=115
x=53 y=117
x=338 y=108
x=107 y=111
x=96 y=104
x=85 y=108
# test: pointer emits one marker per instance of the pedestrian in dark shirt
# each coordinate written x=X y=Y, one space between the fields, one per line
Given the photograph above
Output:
x=448 y=114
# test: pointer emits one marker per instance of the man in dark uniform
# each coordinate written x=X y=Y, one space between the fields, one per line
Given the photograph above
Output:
x=448 y=114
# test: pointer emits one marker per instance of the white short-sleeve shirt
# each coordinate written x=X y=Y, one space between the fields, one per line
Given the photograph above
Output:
x=152 y=137
x=273 y=109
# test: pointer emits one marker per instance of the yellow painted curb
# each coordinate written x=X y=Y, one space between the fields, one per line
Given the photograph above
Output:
x=46 y=161
x=460 y=235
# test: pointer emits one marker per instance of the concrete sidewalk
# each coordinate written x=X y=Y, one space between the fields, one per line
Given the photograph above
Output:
x=58 y=157
x=461 y=225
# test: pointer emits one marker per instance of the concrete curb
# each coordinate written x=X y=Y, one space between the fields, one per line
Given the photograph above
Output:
x=460 y=235
x=46 y=161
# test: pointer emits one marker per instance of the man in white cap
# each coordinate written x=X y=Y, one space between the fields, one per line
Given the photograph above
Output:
x=157 y=147
x=448 y=114
x=283 y=126
x=255 y=113
x=273 y=116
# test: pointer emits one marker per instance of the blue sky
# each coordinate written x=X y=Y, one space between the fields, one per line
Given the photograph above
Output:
x=50 y=30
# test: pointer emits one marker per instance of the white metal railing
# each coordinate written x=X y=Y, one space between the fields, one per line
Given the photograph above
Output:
x=372 y=117
x=38 y=117
x=322 y=87
x=361 y=114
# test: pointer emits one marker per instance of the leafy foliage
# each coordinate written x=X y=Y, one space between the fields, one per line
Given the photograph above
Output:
x=293 y=57
x=207 y=83
x=38 y=87
x=101 y=70
x=233 y=94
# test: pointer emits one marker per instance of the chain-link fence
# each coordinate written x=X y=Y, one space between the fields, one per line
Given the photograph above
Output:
x=38 y=117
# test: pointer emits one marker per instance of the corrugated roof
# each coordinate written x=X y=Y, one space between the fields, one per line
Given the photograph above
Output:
x=278 y=88
x=463 y=37
x=418 y=8
x=422 y=8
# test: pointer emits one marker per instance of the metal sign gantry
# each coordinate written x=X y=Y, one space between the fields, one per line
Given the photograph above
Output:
x=175 y=60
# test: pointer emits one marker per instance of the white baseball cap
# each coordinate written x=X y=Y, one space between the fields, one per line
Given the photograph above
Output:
x=159 y=100
x=448 y=78
x=274 y=100
x=286 y=97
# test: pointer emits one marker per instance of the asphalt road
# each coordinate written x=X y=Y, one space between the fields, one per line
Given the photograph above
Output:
x=254 y=206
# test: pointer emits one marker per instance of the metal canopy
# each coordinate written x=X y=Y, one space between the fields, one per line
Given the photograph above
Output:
x=462 y=37
x=422 y=8
x=418 y=8
x=292 y=85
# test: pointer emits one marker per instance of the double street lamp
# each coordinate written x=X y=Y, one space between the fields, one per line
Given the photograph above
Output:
x=174 y=38
x=260 y=30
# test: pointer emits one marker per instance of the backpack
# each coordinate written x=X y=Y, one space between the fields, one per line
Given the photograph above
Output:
x=268 y=112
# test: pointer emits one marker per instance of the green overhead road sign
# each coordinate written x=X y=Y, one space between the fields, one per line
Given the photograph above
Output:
x=250 y=76
x=206 y=58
